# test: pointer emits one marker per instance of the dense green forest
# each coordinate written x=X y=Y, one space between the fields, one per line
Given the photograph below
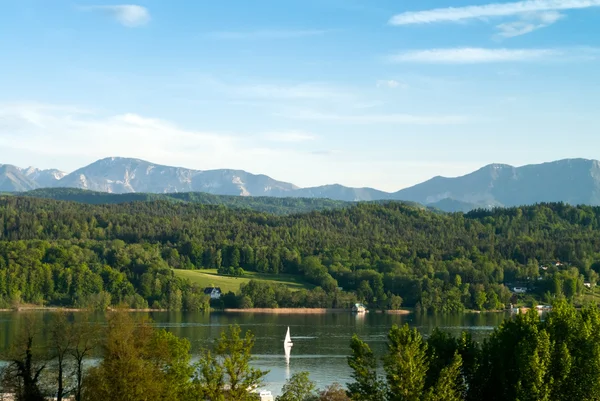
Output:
x=389 y=254
x=265 y=204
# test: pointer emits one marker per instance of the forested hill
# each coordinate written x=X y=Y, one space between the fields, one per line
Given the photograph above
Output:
x=262 y=204
x=65 y=252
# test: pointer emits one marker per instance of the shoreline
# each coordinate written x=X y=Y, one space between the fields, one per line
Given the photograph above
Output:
x=296 y=311
x=309 y=311
x=69 y=309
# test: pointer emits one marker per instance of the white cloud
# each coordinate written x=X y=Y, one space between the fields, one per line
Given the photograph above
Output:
x=396 y=118
x=452 y=14
x=390 y=83
x=266 y=34
x=62 y=132
x=291 y=136
x=468 y=55
x=528 y=23
x=129 y=15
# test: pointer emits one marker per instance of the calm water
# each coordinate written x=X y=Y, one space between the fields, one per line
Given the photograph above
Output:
x=321 y=342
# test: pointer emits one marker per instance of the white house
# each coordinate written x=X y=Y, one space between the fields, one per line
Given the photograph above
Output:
x=265 y=396
x=214 y=292
x=519 y=290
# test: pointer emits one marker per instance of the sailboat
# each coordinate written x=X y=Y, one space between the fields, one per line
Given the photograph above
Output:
x=288 y=339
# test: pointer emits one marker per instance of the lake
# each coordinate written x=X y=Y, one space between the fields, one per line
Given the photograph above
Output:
x=321 y=341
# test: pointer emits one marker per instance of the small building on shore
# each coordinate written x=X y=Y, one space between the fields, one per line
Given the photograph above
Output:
x=359 y=308
x=213 y=292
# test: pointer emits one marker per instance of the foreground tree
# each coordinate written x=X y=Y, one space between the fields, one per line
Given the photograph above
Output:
x=84 y=341
x=450 y=385
x=366 y=385
x=299 y=388
x=60 y=331
x=405 y=364
x=139 y=363
x=334 y=392
x=226 y=374
x=415 y=370
x=21 y=375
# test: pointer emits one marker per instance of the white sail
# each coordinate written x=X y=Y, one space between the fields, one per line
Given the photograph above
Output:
x=288 y=338
x=288 y=353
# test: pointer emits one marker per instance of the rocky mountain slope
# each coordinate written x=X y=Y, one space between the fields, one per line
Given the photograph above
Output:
x=575 y=181
x=16 y=179
x=122 y=175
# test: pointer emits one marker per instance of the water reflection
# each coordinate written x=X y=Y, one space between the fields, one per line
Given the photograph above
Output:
x=287 y=349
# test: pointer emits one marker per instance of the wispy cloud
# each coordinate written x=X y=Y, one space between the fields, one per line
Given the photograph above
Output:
x=279 y=90
x=390 y=83
x=469 y=55
x=325 y=152
x=266 y=34
x=299 y=91
x=394 y=118
x=289 y=137
x=451 y=14
x=128 y=15
x=528 y=23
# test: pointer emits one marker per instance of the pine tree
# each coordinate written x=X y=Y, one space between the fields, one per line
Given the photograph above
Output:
x=450 y=384
x=405 y=364
x=366 y=385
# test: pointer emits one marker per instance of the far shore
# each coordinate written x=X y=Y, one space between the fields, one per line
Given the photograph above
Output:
x=306 y=311
x=290 y=311
x=32 y=308
x=299 y=311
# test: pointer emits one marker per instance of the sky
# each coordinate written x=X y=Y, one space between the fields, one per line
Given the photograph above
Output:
x=364 y=93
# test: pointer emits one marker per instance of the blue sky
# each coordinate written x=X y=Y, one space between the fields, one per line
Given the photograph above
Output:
x=359 y=92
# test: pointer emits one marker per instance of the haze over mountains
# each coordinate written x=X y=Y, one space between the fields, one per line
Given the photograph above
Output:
x=575 y=181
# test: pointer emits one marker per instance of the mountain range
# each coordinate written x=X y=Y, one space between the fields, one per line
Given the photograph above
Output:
x=575 y=181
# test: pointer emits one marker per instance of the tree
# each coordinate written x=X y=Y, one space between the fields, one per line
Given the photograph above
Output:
x=334 y=392
x=25 y=365
x=210 y=378
x=593 y=278
x=229 y=367
x=298 y=388
x=480 y=299
x=514 y=362
x=366 y=385
x=84 y=337
x=140 y=363
x=172 y=357
x=175 y=300
x=405 y=364
x=395 y=302
x=61 y=345
x=450 y=386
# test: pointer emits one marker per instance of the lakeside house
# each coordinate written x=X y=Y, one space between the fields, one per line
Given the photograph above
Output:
x=519 y=290
x=213 y=292
x=265 y=396
x=359 y=308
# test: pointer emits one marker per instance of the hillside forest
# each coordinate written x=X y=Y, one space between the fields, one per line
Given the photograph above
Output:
x=386 y=255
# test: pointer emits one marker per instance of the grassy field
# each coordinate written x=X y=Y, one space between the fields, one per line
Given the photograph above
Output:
x=209 y=278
